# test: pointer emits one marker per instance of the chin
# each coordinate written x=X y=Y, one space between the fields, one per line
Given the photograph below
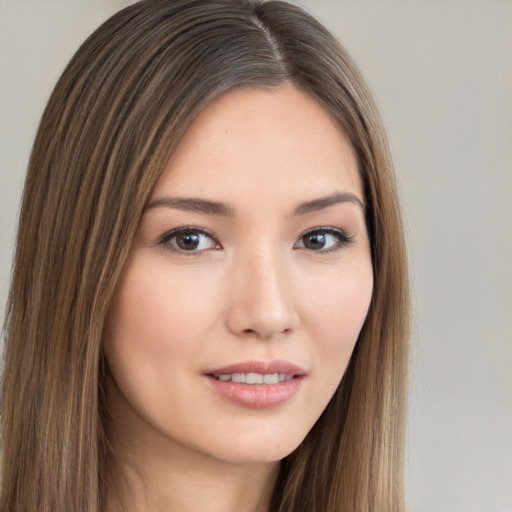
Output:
x=259 y=448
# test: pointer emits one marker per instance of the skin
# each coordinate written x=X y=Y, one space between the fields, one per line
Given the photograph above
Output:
x=254 y=289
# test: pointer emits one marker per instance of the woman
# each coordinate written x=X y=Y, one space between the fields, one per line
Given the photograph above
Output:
x=209 y=302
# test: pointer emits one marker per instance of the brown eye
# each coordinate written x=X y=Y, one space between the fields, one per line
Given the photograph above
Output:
x=323 y=240
x=189 y=240
x=314 y=241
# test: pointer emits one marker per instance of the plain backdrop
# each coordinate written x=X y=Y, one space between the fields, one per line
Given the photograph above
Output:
x=442 y=75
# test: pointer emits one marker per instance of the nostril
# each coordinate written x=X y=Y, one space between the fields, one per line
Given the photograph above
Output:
x=267 y=333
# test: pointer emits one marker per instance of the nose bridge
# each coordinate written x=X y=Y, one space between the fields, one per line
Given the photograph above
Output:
x=262 y=294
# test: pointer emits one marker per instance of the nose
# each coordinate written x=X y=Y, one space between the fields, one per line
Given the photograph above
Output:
x=262 y=302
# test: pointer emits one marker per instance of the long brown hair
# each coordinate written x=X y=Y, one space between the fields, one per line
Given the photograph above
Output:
x=115 y=116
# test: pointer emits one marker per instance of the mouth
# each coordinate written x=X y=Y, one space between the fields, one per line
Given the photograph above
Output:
x=254 y=378
x=257 y=384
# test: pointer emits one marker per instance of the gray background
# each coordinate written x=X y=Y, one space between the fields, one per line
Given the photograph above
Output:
x=442 y=75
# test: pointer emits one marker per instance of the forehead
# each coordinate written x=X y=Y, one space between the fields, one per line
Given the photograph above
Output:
x=249 y=139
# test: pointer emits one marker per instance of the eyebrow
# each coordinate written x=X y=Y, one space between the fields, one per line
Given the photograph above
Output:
x=325 y=202
x=194 y=205
x=207 y=207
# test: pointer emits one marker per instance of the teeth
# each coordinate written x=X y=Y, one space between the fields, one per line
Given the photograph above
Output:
x=255 y=378
x=270 y=378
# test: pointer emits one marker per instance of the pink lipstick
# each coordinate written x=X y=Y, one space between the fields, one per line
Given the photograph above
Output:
x=257 y=384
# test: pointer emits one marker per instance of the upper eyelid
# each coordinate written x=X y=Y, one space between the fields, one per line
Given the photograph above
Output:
x=327 y=229
x=323 y=228
x=176 y=231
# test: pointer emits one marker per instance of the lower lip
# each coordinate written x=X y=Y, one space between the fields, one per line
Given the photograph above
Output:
x=256 y=396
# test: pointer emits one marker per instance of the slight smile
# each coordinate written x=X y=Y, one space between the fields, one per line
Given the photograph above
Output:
x=257 y=384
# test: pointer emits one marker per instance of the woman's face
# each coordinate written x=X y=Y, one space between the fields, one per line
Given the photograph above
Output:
x=251 y=263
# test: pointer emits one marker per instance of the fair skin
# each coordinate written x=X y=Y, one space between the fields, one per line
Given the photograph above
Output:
x=253 y=252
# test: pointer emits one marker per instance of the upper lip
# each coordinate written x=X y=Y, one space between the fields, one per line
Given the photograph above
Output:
x=262 y=367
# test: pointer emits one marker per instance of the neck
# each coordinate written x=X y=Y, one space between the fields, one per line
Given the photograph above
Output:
x=196 y=489
x=184 y=486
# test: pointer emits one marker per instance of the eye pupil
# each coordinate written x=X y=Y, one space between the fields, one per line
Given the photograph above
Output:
x=187 y=241
x=314 y=241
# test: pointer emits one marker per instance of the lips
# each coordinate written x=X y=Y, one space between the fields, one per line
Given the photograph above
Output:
x=257 y=384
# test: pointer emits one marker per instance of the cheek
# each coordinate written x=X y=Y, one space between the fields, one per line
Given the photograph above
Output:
x=157 y=320
x=160 y=303
x=336 y=311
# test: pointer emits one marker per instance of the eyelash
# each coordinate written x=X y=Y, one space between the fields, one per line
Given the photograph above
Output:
x=342 y=239
x=167 y=237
